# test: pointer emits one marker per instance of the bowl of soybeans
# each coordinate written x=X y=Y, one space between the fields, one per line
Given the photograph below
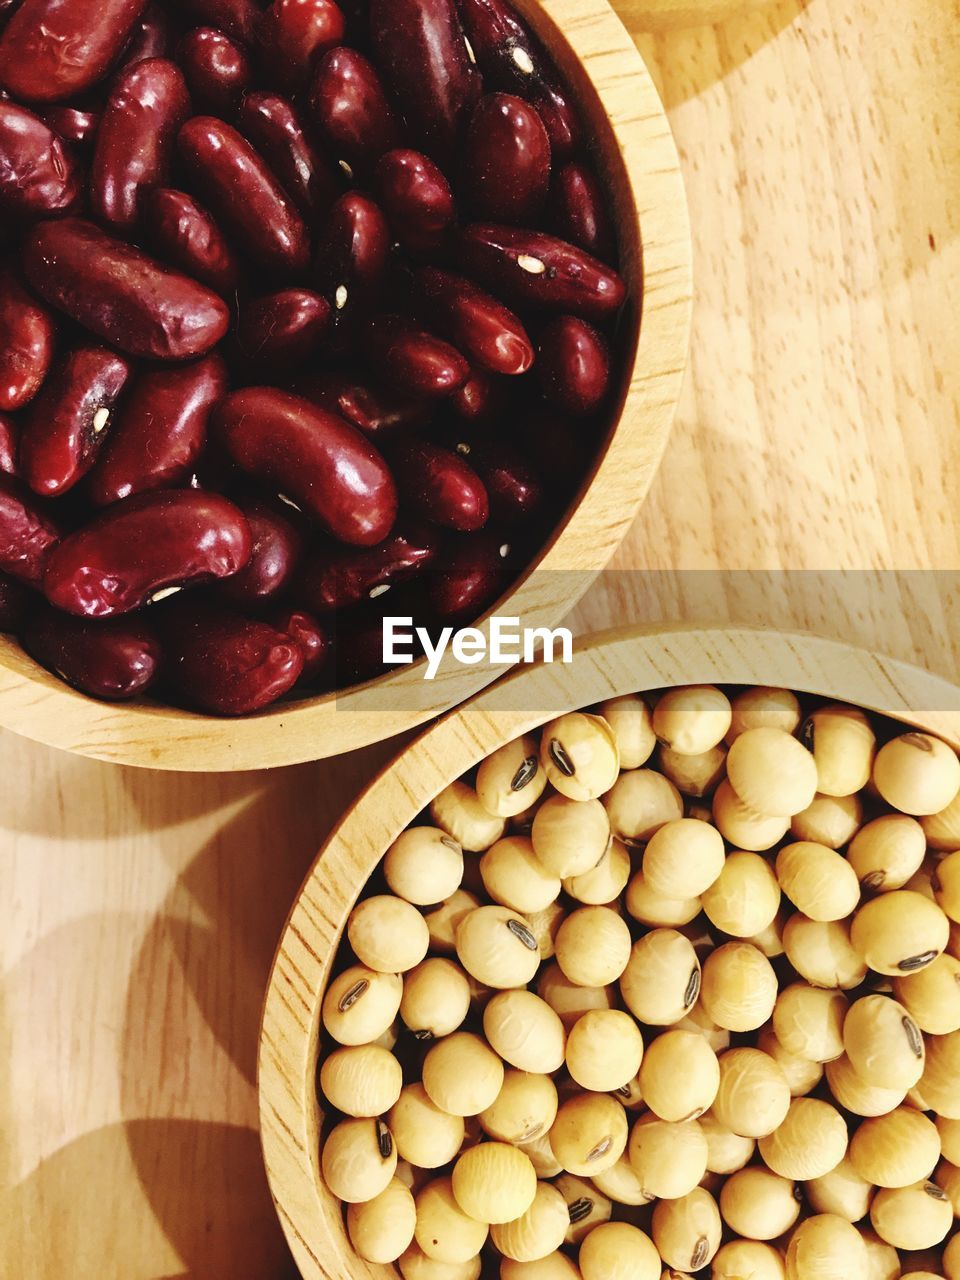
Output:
x=661 y=980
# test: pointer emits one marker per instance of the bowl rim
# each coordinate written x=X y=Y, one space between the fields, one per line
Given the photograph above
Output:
x=605 y=664
x=594 y=49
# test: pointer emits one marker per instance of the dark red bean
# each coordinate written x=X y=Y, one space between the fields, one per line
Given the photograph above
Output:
x=9 y=445
x=160 y=430
x=537 y=270
x=515 y=492
x=352 y=257
x=573 y=366
x=52 y=49
x=377 y=411
x=294 y=33
x=482 y=400
x=187 y=236
x=244 y=195
x=138 y=549
x=481 y=327
x=349 y=105
x=470 y=579
x=225 y=663
x=216 y=68
x=113 y=660
x=16 y=603
x=138 y=130
x=313 y=457
x=511 y=60
x=580 y=210
x=421 y=47
x=27 y=334
x=70 y=419
x=506 y=160
x=120 y=294
x=150 y=38
x=417 y=199
x=27 y=534
x=413 y=361
x=71 y=124
x=238 y=19
x=274 y=127
x=338 y=578
x=312 y=640
x=440 y=485
x=276 y=550
x=281 y=331
x=39 y=177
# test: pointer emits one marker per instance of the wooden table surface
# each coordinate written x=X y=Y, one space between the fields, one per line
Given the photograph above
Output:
x=818 y=433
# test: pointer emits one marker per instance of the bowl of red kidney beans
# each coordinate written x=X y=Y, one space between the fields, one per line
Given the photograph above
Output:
x=313 y=313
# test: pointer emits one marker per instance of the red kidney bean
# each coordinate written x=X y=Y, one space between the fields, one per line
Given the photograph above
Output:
x=274 y=127
x=244 y=194
x=141 y=547
x=352 y=257
x=293 y=33
x=481 y=400
x=71 y=124
x=470 y=578
x=160 y=431
x=511 y=60
x=376 y=411
x=69 y=421
x=314 y=457
x=113 y=660
x=150 y=39
x=39 y=177
x=281 y=331
x=9 y=445
x=574 y=366
x=138 y=129
x=27 y=534
x=312 y=640
x=440 y=485
x=421 y=47
x=417 y=199
x=538 y=270
x=120 y=294
x=216 y=68
x=226 y=663
x=514 y=490
x=27 y=334
x=414 y=361
x=579 y=206
x=188 y=237
x=239 y=19
x=350 y=107
x=481 y=327
x=52 y=49
x=276 y=550
x=337 y=578
x=16 y=602
x=506 y=160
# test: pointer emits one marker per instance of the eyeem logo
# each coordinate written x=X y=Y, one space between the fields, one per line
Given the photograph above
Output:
x=508 y=643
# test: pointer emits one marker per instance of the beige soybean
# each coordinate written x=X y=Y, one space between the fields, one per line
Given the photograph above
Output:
x=842 y=1191
x=542 y=1158
x=593 y=946
x=817 y=880
x=515 y=877
x=829 y=820
x=388 y=934
x=568 y=1000
x=604 y=1050
x=883 y=1261
x=897 y=1149
x=801 y=1074
x=621 y=1184
x=887 y=852
x=444 y=1231
x=570 y=836
x=424 y=865
x=745 y=897
x=946 y=885
x=917 y=774
x=692 y=719
x=942 y=830
x=697 y=1019
x=498 y=947
x=916 y=1217
x=555 y=1266
x=538 y=1231
x=579 y=755
x=855 y=1093
x=843 y=745
x=462 y=1075
x=949 y=1131
x=747 y=1258
x=511 y=778
x=825 y=1247
x=753 y=1096
x=951 y=1258
x=808 y=1021
x=358 y=1160
x=619 y=1251
x=810 y=1142
x=361 y=1080
x=947 y=1178
x=758 y=1204
x=687 y=1231
x=631 y=723
x=425 y=1135
x=668 y=1158
x=694 y=775
x=494 y=1182
x=883 y=1043
x=662 y=979
x=771 y=772
x=444 y=921
x=545 y=926
x=639 y=803
x=683 y=858
x=606 y=881
x=589 y=1133
x=940 y=1082
x=744 y=827
x=587 y=1207
x=726 y=1151
x=739 y=987
x=382 y=1229
x=822 y=953
x=630 y=1095
x=436 y=998
x=524 y=1109
x=522 y=1028
x=932 y=996
x=458 y=811
x=899 y=932
x=679 y=1076
x=769 y=941
x=415 y=1265
x=654 y=910
x=762 y=707
x=360 y=1004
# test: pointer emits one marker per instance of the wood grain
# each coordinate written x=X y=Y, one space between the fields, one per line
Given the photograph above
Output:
x=818 y=431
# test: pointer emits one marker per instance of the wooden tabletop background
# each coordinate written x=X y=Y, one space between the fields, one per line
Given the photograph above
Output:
x=818 y=434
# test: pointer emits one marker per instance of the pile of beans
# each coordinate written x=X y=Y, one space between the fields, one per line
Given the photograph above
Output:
x=299 y=304
x=671 y=988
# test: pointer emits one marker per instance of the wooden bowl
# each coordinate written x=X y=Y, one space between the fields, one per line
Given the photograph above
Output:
x=665 y=15
x=637 y=155
x=604 y=666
